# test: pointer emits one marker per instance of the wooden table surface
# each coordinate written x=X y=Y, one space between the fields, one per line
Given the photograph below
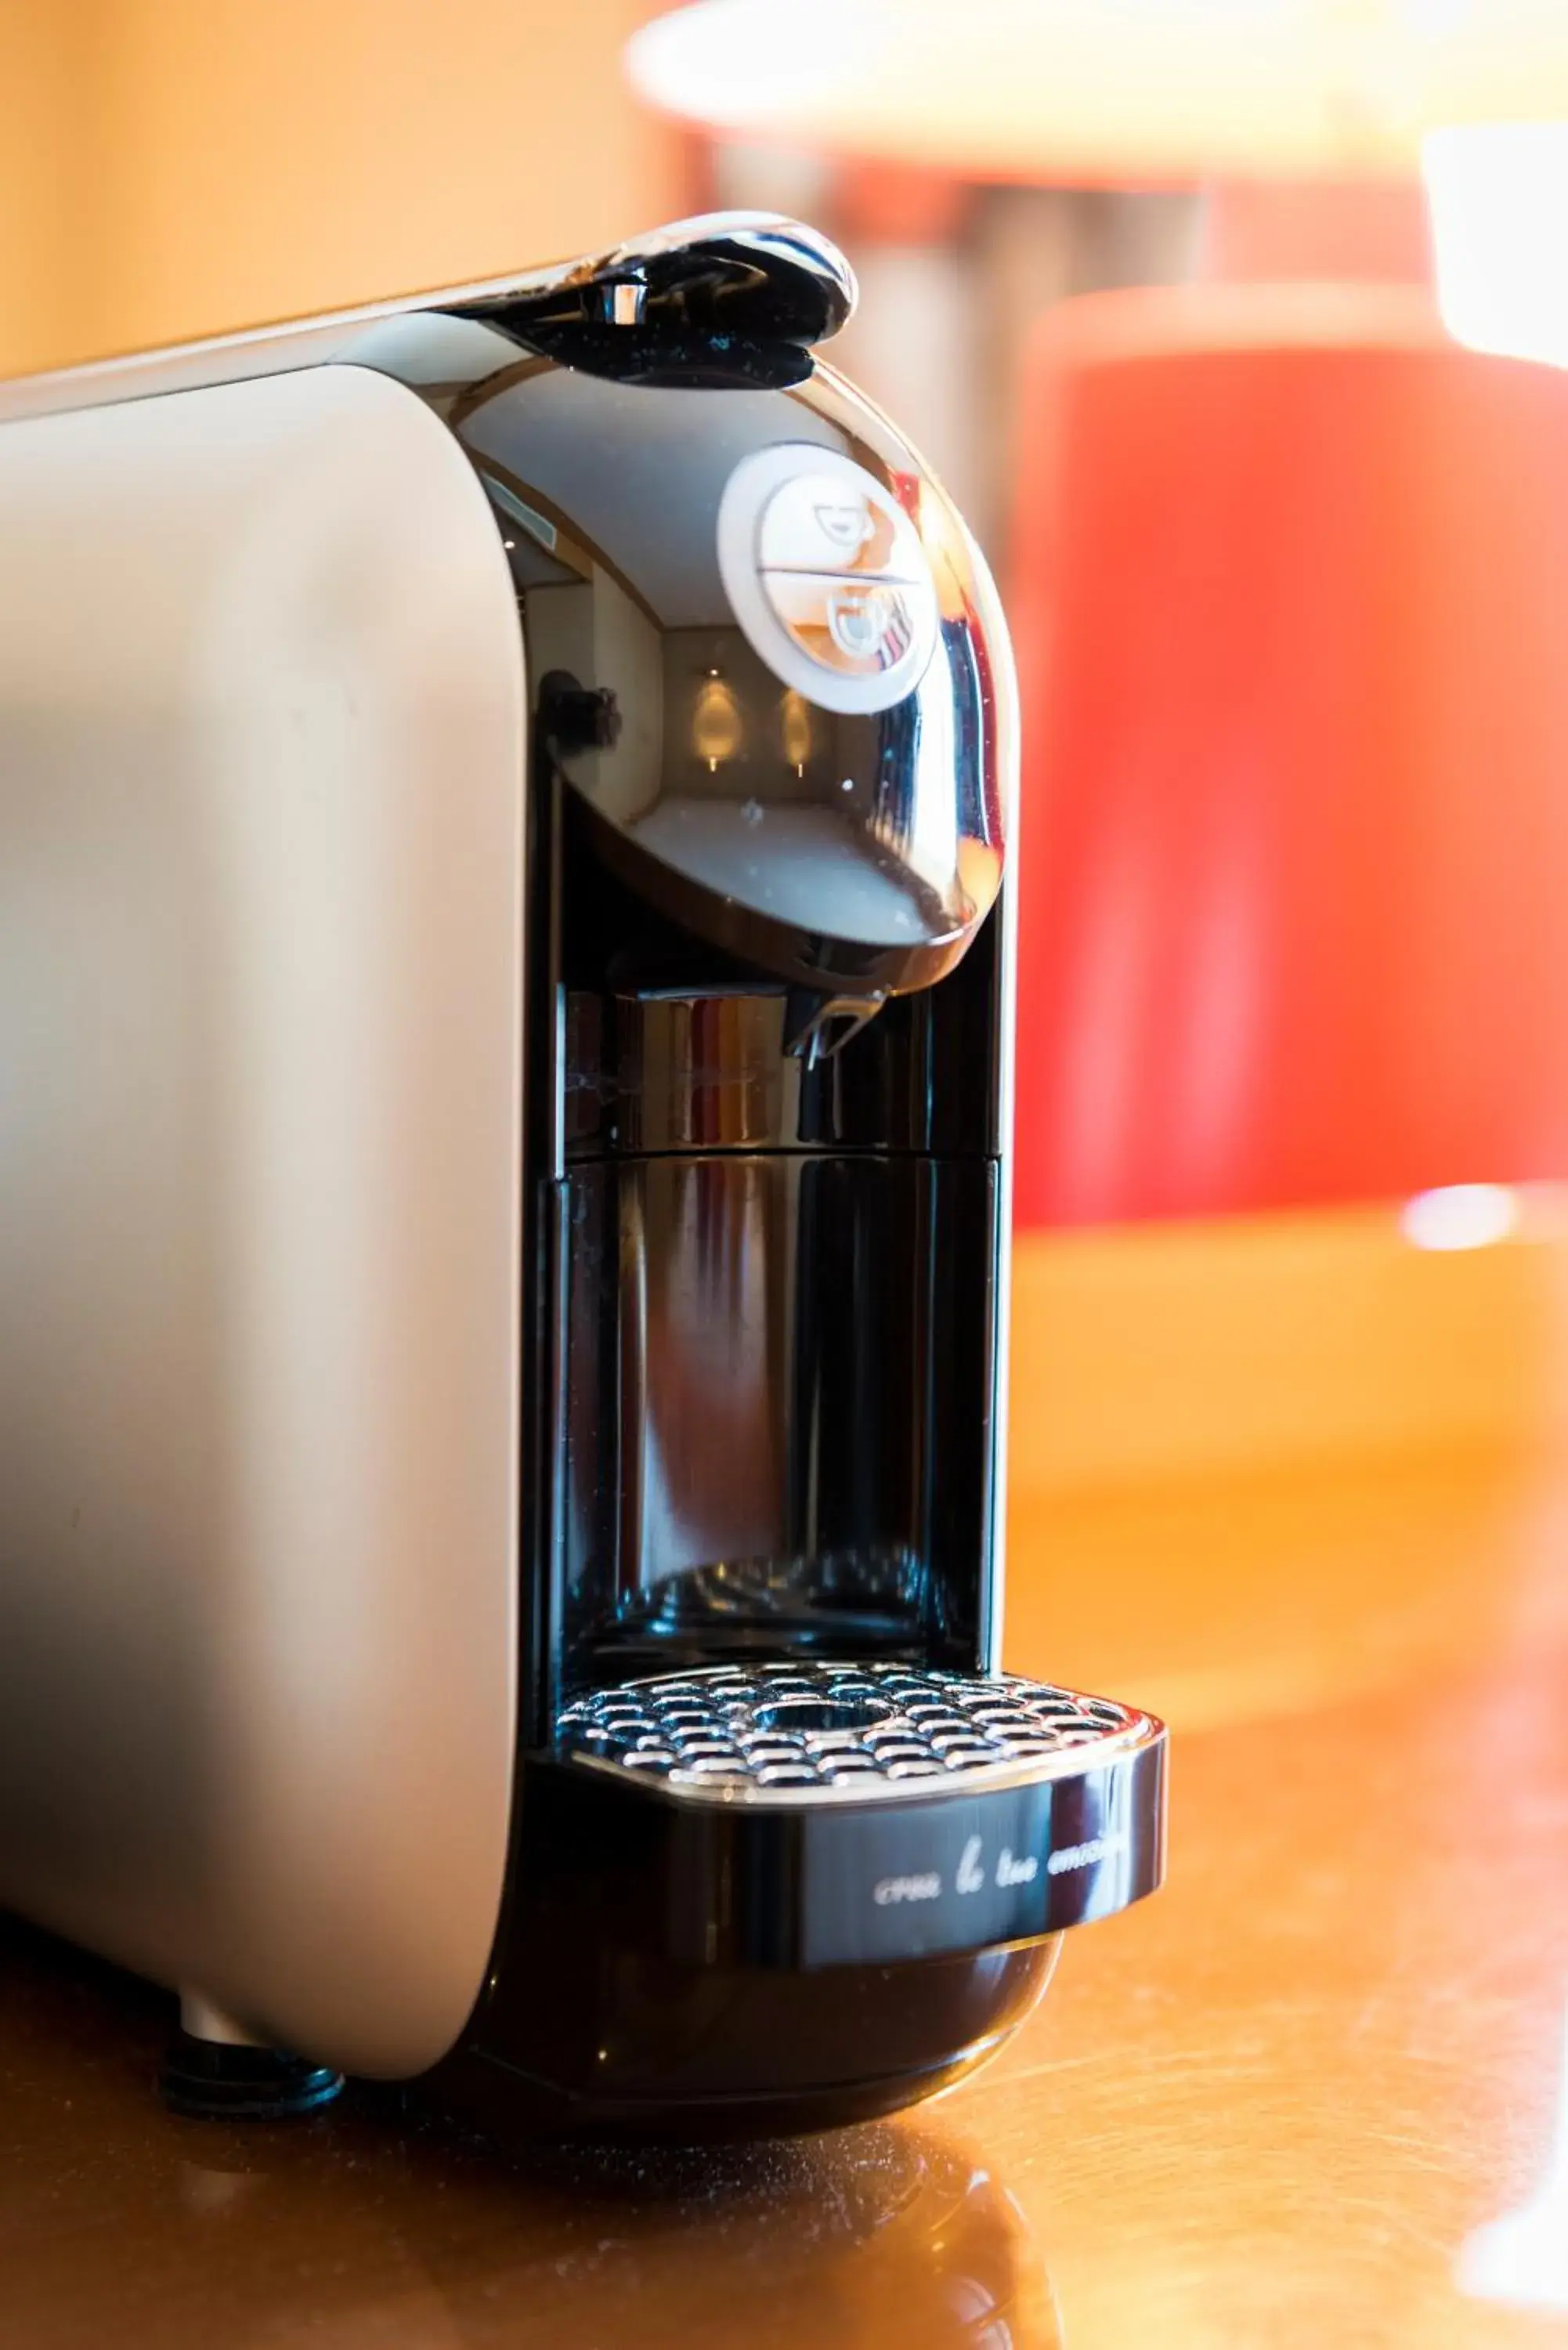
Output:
x=1296 y=2099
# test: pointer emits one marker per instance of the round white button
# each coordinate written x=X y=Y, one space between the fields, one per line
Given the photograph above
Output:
x=827 y=577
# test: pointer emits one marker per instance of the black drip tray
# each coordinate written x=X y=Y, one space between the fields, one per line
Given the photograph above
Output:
x=811 y=1733
x=841 y=1814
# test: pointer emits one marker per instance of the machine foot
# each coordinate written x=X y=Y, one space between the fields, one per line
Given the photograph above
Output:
x=211 y=2072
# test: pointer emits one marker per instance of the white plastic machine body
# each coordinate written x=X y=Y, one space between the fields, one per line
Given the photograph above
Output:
x=262 y=735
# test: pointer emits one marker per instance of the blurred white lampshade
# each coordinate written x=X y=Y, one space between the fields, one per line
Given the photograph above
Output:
x=1497 y=194
x=1120 y=91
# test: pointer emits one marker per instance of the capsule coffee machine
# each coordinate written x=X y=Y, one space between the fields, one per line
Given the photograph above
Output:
x=504 y=1009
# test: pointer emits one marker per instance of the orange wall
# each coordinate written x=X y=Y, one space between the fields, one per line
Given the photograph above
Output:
x=176 y=167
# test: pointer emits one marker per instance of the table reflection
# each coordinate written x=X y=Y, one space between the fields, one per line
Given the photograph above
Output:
x=362 y=2228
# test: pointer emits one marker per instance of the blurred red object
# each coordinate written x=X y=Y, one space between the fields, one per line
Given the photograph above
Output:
x=1338 y=229
x=1290 y=593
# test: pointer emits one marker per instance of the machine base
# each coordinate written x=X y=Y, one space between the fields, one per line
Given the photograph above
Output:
x=704 y=2056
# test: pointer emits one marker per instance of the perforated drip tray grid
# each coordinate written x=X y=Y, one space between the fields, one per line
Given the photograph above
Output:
x=817 y=1731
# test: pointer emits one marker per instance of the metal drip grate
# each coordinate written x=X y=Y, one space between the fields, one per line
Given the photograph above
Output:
x=789 y=1731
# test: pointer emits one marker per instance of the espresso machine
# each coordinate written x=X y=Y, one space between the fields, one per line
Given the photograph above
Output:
x=506 y=1006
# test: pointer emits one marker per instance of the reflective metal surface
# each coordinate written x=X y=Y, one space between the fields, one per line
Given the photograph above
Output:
x=763 y=289
x=821 y=787
x=843 y=1733
x=656 y=1062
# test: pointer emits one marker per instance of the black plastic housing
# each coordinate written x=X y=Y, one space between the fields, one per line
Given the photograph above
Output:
x=765 y=1239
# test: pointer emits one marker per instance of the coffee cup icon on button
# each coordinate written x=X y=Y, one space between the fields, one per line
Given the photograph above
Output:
x=846 y=525
x=869 y=624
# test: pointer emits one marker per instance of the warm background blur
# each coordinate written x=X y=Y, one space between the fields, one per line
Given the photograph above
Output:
x=176 y=168
x=171 y=168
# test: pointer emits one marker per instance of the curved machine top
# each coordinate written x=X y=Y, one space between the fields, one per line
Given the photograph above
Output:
x=711 y=536
x=756 y=276
x=766 y=656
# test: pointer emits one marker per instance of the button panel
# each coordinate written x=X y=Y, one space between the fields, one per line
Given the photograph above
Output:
x=827 y=577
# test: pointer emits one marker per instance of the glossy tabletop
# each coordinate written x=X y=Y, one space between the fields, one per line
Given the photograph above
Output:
x=1308 y=2095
